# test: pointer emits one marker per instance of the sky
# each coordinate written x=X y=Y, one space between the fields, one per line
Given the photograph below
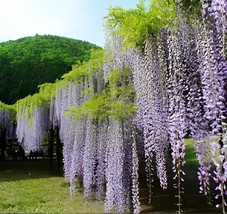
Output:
x=78 y=19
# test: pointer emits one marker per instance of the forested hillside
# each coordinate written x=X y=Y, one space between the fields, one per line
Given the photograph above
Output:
x=31 y=61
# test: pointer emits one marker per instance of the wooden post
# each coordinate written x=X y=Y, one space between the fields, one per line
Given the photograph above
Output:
x=58 y=150
x=51 y=146
x=3 y=144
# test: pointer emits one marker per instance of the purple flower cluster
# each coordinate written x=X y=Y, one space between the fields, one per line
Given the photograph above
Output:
x=117 y=192
x=101 y=155
x=7 y=124
x=135 y=175
x=89 y=158
x=214 y=8
x=76 y=165
x=204 y=158
x=30 y=130
x=152 y=109
x=213 y=72
x=220 y=163
x=4 y=118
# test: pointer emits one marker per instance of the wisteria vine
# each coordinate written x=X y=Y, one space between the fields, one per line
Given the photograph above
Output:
x=179 y=80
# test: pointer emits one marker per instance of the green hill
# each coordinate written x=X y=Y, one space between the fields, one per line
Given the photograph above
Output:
x=28 y=62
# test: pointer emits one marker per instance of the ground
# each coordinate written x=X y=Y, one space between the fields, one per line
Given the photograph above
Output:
x=31 y=186
x=165 y=201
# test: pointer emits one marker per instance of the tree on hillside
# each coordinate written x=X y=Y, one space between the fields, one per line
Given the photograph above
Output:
x=31 y=61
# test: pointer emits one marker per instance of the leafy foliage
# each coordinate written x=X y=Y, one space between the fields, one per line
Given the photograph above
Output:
x=192 y=8
x=46 y=92
x=9 y=108
x=82 y=70
x=135 y=25
x=31 y=61
x=115 y=101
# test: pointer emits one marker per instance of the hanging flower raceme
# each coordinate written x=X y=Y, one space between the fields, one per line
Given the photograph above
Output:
x=89 y=158
x=214 y=79
x=151 y=109
x=7 y=123
x=220 y=178
x=135 y=175
x=4 y=118
x=117 y=188
x=101 y=154
x=68 y=149
x=75 y=167
x=177 y=121
x=31 y=128
x=204 y=174
x=67 y=95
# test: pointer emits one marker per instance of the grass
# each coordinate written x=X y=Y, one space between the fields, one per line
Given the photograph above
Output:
x=166 y=202
x=30 y=187
x=190 y=153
